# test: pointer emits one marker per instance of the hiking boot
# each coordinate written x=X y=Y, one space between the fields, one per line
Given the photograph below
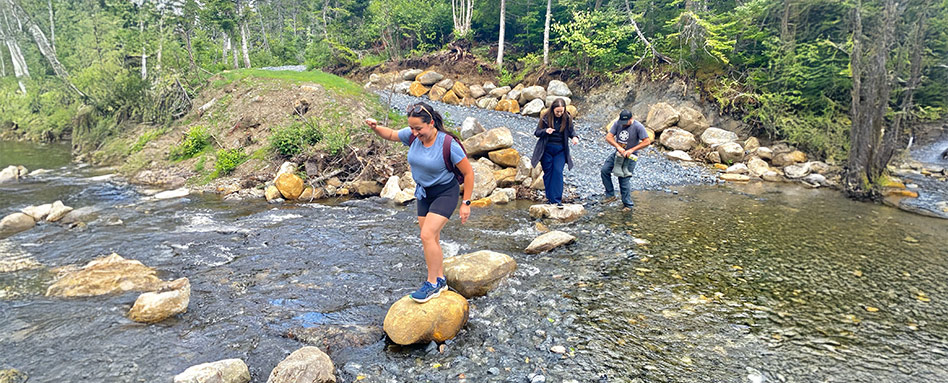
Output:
x=442 y=284
x=426 y=292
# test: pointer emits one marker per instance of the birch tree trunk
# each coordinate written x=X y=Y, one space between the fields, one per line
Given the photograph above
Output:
x=500 y=39
x=243 y=44
x=52 y=26
x=546 y=33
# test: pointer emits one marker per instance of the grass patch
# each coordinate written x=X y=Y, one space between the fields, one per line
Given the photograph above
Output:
x=195 y=141
x=227 y=161
x=329 y=81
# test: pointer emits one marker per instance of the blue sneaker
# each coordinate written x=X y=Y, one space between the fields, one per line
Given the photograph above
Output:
x=442 y=284
x=426 y=292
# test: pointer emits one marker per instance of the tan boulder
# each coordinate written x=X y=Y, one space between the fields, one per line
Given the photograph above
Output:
x=734 y=177
x=508 y=106
x=692 y=120
x=222 y=371
x=508 y=157
x=306 y=365
x=549 y=241
x=437 y=93
x=484 y=182
x=661 y=116
x=58 y=211
x=417 y=89
x=290 y=185
x=462 y=91
x=107 y=275
x=437 y=320
x=271 y=193
x=494 y=139
x=451 y=98
x=506 y=177
x=477 y=273
x=15 y=223
x=365 y=188
x=567 y=213
x=172 y=299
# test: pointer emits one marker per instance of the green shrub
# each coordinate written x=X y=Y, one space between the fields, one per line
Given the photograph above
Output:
x=291 y=140
x=227 y=161
x=194 y=142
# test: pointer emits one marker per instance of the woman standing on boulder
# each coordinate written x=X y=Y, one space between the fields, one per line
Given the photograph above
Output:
x=554 y=130
x=438 y=164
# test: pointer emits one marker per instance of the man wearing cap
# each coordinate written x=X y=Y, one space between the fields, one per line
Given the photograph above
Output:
x=628 y=136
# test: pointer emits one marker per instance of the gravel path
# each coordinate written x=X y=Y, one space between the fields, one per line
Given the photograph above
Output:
x=653 y=172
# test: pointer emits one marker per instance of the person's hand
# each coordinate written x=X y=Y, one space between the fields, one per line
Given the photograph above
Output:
x=575 y=140
x=549 y=130
x=371 y=122
x=465 y=212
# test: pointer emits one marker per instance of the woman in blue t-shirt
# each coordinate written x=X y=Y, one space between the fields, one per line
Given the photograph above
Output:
x=436 y=185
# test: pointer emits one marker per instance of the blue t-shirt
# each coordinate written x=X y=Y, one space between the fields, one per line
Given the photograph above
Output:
x=427 y=163
x=629 y=136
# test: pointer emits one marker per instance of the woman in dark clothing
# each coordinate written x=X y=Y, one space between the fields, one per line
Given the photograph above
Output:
x=555 y=129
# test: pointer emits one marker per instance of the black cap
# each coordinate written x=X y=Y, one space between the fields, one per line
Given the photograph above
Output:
x=625 y=116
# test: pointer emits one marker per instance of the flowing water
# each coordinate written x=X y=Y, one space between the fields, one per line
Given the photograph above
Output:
x=754 y=283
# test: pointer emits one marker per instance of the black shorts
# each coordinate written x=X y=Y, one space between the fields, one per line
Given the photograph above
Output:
x=440 y=199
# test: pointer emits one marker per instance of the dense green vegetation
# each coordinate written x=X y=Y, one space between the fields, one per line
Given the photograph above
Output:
x=784 y=66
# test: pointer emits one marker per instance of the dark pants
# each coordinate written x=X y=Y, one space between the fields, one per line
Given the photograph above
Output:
x=553 y=161
x=625 y=183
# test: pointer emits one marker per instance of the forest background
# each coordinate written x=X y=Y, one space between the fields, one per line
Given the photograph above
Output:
x=842 y=79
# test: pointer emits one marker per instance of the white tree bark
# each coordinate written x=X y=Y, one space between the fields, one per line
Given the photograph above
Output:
x=500 y=39
x=52 y=26
x=546 y=33
x=243 y=44
x=461 y=10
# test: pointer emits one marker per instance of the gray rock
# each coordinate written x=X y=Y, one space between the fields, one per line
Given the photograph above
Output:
x=549 y=241
x=223 y=371
x=533 y=108
x=558 y=88
x=715 y=136
x=410 y=74
x=730 y=152
x=306 y=365
x=677 y=139
x=470 y=127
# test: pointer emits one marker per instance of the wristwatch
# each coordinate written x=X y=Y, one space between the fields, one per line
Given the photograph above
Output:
x=466 y=202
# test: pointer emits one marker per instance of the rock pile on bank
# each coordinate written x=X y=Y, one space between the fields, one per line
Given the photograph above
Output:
x=527 y=100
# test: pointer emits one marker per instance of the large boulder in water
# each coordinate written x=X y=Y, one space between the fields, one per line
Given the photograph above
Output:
x=661 y=116
x=508 y=157
x=484 y=182
x=306 y=365
x=172 y=299
x=494 y=139
x=290 y=185
x=678 y=139
x=477 y=273
x=567 y=213
x=222 y=371
x=438 y=320
x=15 y=223
x=108 y=275
x=549 y=241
